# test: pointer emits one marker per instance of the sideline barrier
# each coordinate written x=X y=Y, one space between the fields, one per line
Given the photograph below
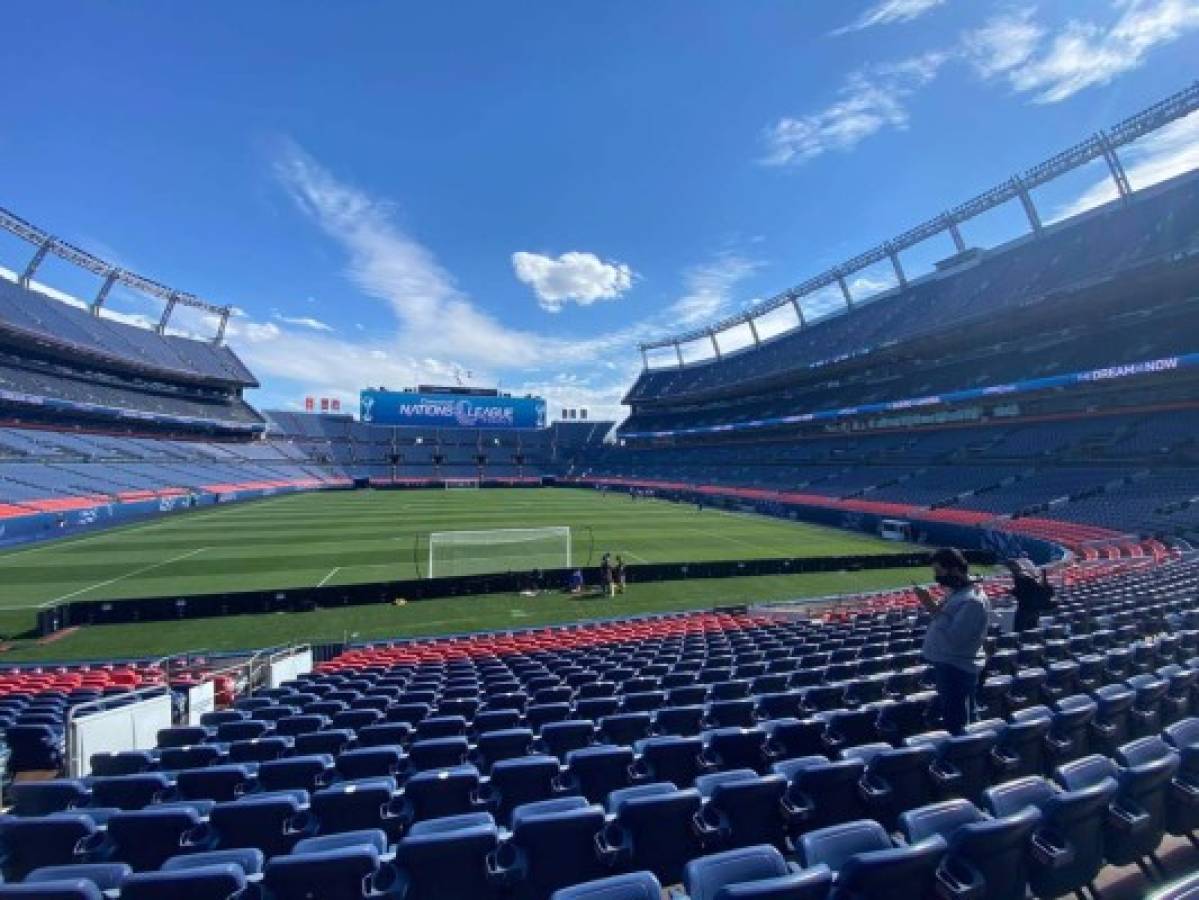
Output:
x=305 y=599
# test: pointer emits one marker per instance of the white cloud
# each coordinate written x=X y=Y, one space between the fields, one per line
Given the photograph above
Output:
x=576 y=276
x=1155 y=158
x=871 y=99
x=1004 y=43
x=709 y=288
x=305 y=322
x=1083 y=53
x=438 y=331
x=889 y=12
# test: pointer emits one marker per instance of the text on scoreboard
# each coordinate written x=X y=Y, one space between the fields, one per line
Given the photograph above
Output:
x=450 y=411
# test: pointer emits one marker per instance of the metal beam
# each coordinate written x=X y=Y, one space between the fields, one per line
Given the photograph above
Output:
x=951 y=226
x=715 y=346
x=35 y=261
x=678 y=351
x=166 y=314
x=220 y=329
x=103 y=294
x=895 y=264
x=644 y=359
x=753 y=329
x=798 y=311
x=1115 y=167
x=1136 y=126
x=845 y=291
x=1030 y=208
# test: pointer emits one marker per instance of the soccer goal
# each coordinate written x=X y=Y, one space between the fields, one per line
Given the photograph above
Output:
x=498 y=550
x=461 y=484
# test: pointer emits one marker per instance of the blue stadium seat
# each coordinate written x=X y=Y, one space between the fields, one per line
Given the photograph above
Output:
x=895 y=779
x=369 y=803
x=448 y=859
x=667 y=758
x=758 y=872
x=201 y=883
x=822 y=793
x=552 y=846
x=70 y=889
x=596 y=771
x=1067 y=848
x=517 y=781
x=225 y=782
x=633 y=886
x=37 y=798
x=866 y=865
x=271 y=822
x=559 y=738
x=742 y=808
x=985 y=857
x=652 y=828
x=105 y=876
x=49 y=840
x=370 y=762
x=440 y=792
x=132 y=791
x=345 y=874
x=305 y=773
x=146 y=838
x=249 y=859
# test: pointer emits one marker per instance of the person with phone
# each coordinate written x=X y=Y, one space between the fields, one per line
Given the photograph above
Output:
x=953 y=644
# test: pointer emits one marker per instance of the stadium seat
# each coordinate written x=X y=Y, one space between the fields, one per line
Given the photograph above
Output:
x=369 y=803
x=757 y=872
x=742 y=808
x=448 y=862
x=866 y=865
x=217 y=880
x=552 y=846
x=596 y=771
x=514 y=782
x=633 y=886
x=653 y=829
x=984 y=857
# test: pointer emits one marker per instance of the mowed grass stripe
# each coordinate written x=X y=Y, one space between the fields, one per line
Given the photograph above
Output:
x=296 y=540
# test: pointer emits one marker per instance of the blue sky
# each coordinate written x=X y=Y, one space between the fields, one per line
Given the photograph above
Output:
x=392 y=193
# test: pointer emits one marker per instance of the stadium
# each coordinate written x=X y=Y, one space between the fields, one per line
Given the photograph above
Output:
x=384 y=653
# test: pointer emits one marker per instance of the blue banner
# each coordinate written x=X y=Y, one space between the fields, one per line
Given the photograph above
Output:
x=1146 y=367
x=451 y=410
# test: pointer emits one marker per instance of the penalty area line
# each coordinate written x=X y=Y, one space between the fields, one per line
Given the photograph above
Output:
x=332 y=572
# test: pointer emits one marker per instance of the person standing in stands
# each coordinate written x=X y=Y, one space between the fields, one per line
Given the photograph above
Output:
x=1033 y=593
x=953 y=644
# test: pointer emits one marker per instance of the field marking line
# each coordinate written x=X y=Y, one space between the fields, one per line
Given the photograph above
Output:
x=135 y=572
x=631 y=555
x=332 y=572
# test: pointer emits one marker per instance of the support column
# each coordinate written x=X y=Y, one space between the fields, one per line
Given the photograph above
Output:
x=1030 y=208
x=103 y=294
x=678 y=351
x=1119 y=176
x=166 y=314
x=895 y=264
x=38 y=256
x=220 y=329
x=845 y=291
x=753 y=329
x=798 y=311
x=644 y=360
x=951 y=226
x=715 y=346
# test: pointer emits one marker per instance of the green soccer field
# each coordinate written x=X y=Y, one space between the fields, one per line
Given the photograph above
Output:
x=338 y=538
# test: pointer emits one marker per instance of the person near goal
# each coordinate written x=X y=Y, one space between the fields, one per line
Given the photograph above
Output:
x=619 y=575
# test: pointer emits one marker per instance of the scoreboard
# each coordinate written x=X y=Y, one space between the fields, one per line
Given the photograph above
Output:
x=451 y=410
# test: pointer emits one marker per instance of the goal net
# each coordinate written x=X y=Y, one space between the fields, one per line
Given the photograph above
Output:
x=498 y=550
x=461 y=484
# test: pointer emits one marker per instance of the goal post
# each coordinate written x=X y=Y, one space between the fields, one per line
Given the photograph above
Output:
x=453 y=553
